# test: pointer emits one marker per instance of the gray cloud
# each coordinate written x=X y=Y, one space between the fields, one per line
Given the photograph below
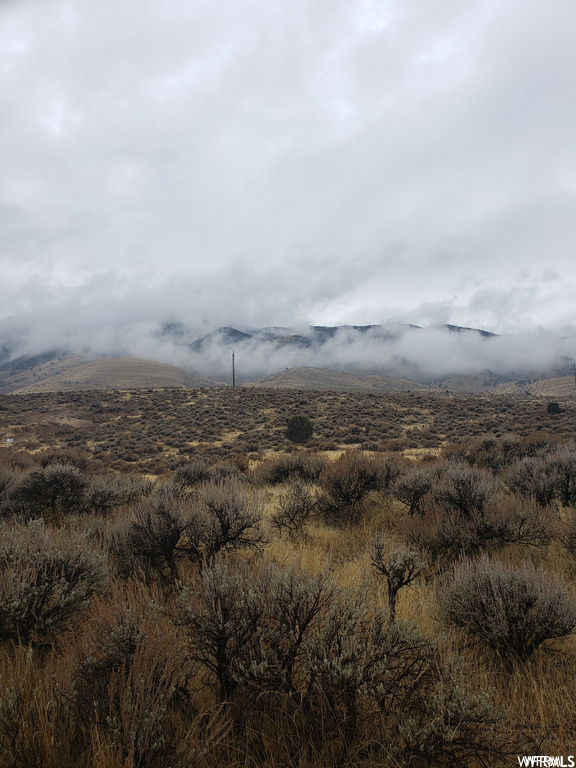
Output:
x=254 y=163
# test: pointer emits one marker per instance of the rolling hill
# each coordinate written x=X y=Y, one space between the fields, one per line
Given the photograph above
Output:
x=390 y=357
x=306 y=377
x=69 y=373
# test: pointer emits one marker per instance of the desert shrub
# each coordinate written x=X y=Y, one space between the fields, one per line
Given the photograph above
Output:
x=294 y=466
x=345 y=484
x=127 y=668
x=101 y=497
x=285 y=636
x=454 y=725
x=47 y=578
x=553 y=407
x=10 y=504
x=411 y=488
x=358 y=658
x=562 y=464
x=299 y=429
x=220 y=616
x=232 y=519
x=567 y=533
x=446 y=535
x=74 y=458
x=168 y=529
x=513 y=609
x=133 y=488
x=546 y=478
x=105 y=494
x=294 y=605
x=107 y=642
x=533 y=477
x=294 y=508
x=150 y=540
x=226 y=470
x=464 y=489
x=487 y=452
x=253 y=629
x=191 y=474
x=138 y=721
x=390 y=469
x=58 y=489
x=7 y=482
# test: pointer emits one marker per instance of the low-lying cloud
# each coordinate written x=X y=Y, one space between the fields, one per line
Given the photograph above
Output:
x=271 y=163
x=422 y=353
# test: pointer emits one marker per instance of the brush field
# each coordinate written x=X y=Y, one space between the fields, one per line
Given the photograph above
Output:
x=181 y=585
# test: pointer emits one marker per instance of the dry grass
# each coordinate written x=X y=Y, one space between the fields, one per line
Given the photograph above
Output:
x=154 y=685
x=153 y=430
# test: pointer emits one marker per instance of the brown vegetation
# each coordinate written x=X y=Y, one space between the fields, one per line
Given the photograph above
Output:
x=180 y=585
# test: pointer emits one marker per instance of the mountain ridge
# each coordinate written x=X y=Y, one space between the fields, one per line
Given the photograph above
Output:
x=378 y=357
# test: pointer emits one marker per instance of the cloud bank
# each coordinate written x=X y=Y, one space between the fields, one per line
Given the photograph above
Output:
x=419 y=353
x=254 y=163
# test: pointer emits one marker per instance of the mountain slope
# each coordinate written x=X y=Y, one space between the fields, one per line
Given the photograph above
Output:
x=115 y=373
x=306 y=377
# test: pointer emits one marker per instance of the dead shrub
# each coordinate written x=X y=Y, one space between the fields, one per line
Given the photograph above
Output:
x=295 y=506
x=400 y=567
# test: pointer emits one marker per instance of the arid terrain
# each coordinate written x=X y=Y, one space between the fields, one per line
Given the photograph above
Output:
x=150 y=430
x=185 y=581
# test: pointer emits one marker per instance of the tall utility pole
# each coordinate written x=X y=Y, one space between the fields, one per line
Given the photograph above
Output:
x=574 y=372
x=233 y=371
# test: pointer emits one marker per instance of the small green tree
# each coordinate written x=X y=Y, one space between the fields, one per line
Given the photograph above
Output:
x=299 y=429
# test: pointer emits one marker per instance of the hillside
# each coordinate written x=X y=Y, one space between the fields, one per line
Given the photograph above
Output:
x=322 y=379
x=388 y=357
x=72 y=373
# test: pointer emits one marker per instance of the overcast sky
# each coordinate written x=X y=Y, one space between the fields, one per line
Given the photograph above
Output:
x=258 y=162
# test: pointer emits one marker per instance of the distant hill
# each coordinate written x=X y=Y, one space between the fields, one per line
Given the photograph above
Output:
x=322 y=379
x=30 y=370
x=64 y=372
x=392 y=356
x=310 y=337
x=68 y=373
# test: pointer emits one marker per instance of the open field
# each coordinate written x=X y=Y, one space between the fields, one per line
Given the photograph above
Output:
x=151 y=430
x=180 y=585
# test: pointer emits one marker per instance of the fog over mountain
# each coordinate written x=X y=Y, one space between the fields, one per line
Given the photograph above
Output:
x=400 y=350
